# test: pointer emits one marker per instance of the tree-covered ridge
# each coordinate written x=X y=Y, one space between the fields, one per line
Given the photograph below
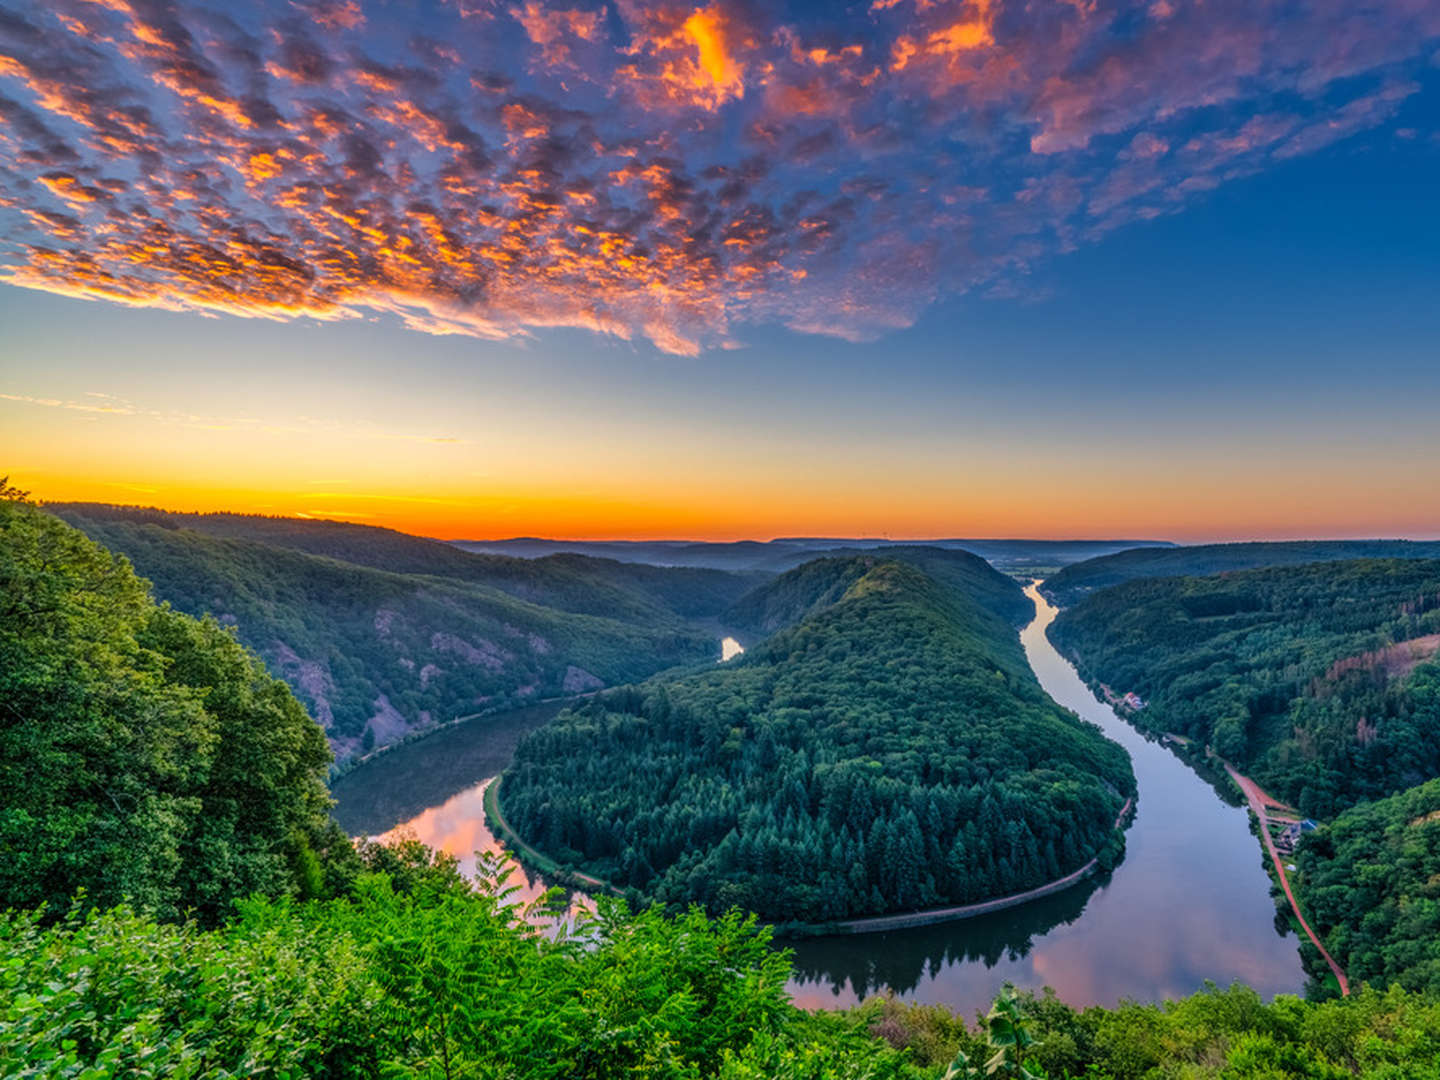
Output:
x=821 y=582
x=631 y=592
x=376 y=654
x=802 y=592
x=1313 y=679
x=892 y=751
x=1072 y=583
x=1372 y=884
x=144 y=755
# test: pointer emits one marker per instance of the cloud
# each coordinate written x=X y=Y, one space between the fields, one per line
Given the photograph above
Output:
x=665 y=171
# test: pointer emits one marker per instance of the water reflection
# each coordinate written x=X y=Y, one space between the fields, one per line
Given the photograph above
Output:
x=843 y=970
x=457 y=827
x=409 y=780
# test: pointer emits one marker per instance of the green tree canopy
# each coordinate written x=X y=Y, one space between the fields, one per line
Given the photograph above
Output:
x=144 y=755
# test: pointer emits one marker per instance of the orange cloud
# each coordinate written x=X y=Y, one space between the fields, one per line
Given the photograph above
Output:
x=652 y=169
x=687 y=57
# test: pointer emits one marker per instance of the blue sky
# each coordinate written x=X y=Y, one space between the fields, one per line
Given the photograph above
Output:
x=1243 y=344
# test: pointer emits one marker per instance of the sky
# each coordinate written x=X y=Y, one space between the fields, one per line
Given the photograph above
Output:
x=911 y=268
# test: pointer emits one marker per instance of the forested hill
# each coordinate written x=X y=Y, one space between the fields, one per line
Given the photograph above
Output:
x=1372 y=885
x=820 y=583
x=376 y=654
x=891 y=751
x=629 y=591
x=1313 y=679
x=1075 y=581
x=145 y=756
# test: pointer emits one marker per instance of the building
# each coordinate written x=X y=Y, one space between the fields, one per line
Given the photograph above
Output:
x=1290 y=836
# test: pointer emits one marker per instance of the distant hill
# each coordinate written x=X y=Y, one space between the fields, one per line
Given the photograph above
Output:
x=1080 y=578
x=590 y=586
x=890 y=750
x=823 y=581
x=375 y=654
x=788 y=552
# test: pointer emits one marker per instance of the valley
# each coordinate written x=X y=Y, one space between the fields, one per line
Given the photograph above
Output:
x=1191 y=895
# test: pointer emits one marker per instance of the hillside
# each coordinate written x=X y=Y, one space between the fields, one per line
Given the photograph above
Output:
x=376 y=654
x=892 y=750
x=1077 y=580
x=1372 y=884
x=786 y=553
x=1308 y=678
x=821 y=582
x=628 y=591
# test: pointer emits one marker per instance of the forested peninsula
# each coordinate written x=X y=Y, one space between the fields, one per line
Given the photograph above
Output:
x=887 y=750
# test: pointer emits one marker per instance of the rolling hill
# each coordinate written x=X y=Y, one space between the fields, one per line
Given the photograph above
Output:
x=786 y=553
x=1079 y=579
x=378 y=653
x=824 y=580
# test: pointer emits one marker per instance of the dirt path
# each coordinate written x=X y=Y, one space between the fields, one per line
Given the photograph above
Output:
x=1260 y=803
x=879 y=923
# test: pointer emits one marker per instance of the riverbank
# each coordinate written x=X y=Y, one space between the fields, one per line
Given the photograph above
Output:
x=349 y=765
x=879 y=924
x=531 y=857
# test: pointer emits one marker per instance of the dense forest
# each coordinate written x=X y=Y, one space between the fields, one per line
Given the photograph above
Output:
x=1372 y=886
x=1317 y=680
x=173 y=903
x=144 y=755
x=1073 y=582
x=891 y=751
x=823 y=581
x=375 y=654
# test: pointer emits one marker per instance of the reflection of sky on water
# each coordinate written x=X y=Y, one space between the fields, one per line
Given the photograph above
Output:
x=457 y=827
x=1189 y=903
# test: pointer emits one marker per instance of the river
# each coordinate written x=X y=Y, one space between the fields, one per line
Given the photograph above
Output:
x=1189 y=903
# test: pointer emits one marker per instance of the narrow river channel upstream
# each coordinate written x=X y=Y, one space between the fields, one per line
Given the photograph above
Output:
x=1189 y=903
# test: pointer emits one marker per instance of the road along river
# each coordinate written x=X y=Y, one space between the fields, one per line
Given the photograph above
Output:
x=1190 y=901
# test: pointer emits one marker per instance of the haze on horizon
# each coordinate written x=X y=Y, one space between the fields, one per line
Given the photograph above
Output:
x=1151 y=270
